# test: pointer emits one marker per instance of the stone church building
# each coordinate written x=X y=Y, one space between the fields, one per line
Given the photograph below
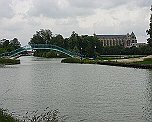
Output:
x=127 y=40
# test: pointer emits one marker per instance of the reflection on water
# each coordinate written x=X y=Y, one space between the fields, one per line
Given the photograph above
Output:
x=88 y=93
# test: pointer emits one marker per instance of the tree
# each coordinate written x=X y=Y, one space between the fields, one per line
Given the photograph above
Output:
x=5 y=43
x=58 y=40
x=73 y=40
x=43 y=36
x=15 y=43
x=149 y=32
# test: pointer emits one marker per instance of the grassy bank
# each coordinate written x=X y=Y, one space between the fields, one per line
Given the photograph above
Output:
x=123 y=64
x=7 y=61
x=145 y=64
x=146 y=61
x=77 y=60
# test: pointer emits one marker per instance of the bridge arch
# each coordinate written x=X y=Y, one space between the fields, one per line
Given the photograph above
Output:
x=38 y=47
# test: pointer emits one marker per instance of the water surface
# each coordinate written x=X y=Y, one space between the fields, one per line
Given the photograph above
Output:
x=88 y=93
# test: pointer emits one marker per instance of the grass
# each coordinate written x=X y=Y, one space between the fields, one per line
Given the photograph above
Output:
x=71 y=60
x=147 y=61
x=146 y=64
x=78 y=60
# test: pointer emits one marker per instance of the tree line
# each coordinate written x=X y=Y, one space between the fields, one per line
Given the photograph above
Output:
x=81 y=44
x=9 y=45
x=89 y=46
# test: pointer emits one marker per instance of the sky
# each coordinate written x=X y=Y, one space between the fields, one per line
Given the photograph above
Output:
x=22 y=18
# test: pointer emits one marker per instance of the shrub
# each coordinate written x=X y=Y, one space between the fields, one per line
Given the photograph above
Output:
x=71 y=60
x=46 y=116
x=5 y=117
x=9 y=61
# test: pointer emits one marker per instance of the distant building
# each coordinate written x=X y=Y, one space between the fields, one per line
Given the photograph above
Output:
x=127 y=40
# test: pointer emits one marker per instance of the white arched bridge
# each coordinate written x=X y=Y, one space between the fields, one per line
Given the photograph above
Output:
x=17 y=52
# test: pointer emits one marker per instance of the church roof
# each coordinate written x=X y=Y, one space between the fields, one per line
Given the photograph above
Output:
x=111 y=36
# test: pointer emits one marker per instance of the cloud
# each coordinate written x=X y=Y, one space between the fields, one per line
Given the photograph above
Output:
x=22 y=18
x=70 y=8
x=57 y=9
x=103 y=4
x=79 y=8
x=6 y=10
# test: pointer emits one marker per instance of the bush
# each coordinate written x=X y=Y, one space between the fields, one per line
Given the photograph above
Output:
x=46 y=116
x=9 y=61
x=88 y=61
x=78 y=60
x=35 y=116
x=5 y=117
x=51 y=55
x=71 y=60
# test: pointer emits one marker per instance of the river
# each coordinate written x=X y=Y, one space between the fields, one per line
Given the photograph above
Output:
x=82 y=92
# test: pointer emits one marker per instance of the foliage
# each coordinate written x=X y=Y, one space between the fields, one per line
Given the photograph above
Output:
x=71 y=60
x=46 y=116
x=15 y=43
x=5 y=117
x=9 y=45
x=7 y=61
x=89 y=61
x=49 y=54
x=35 y=116
x=149 y=32
x=78 y=60
x=41 y=37
x=88 y=46
x=74 y=43
x=118 y=50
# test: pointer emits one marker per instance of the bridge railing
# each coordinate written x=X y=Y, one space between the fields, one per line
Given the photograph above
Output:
x=37 y=47
x=12 y=52
x=54 y=47
x=15 y=52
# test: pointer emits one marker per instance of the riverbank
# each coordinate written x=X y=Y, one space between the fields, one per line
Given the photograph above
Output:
x=122 y=64
x=6 y=61
x=141 y=62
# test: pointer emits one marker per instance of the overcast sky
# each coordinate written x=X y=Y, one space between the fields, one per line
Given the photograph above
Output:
x=22 y=18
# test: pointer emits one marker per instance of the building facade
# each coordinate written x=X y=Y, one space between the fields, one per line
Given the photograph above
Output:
x=127 y=40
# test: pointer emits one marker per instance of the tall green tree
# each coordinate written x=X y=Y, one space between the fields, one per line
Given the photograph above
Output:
x=43 y=36
x=149 y=32
x=15 y=43
x=73 y=40
x=5 y=43
x=58 y=40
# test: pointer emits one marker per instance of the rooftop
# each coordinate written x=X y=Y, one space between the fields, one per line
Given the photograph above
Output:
x=110 y=36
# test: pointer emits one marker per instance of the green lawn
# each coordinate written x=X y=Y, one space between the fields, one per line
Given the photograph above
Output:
x=146 y=61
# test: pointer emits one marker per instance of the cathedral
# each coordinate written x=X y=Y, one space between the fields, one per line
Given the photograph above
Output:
x=127 y=40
